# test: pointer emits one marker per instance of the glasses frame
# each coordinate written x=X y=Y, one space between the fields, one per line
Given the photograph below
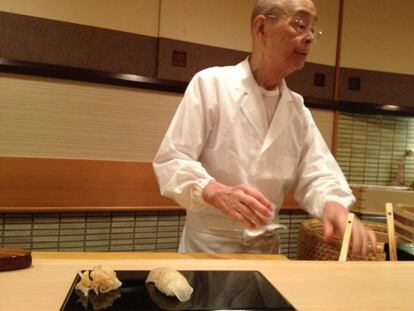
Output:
x=300 y=26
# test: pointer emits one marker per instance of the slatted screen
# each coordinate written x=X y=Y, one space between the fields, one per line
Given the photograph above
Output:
x=372 y=147
x=157 y=231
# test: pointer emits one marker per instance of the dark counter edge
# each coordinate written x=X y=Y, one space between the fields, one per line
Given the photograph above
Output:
x=173 y=86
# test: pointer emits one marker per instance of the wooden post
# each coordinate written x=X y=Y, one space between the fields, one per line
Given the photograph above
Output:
x=347 y=236
x=389 y=210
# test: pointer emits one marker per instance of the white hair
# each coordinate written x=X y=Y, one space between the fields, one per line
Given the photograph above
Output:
x=267 y=7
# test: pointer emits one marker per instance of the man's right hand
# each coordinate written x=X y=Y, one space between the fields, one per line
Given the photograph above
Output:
x=242 y=203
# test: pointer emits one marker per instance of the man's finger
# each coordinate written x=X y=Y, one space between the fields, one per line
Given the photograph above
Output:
x=328 y=228
x=356 y=240
x=256 y=206
x=258 y=196
x=364 y=244
x=372 y=240
x=251 y=215
x=235 y=215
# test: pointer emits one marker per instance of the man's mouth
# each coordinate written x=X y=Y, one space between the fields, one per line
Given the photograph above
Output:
x=304 y=53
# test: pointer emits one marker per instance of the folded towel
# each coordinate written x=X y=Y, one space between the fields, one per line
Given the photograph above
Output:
x=271 y=227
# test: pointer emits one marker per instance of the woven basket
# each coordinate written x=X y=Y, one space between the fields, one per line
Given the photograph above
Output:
x=312 y=245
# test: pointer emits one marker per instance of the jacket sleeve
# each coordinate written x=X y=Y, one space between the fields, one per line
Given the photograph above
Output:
x=320 y=178
x=180 y=175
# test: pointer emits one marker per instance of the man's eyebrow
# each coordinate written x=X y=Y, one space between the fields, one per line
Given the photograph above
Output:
x=306 y=13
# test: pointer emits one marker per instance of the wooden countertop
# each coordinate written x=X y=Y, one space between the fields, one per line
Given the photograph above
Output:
x=307 y=285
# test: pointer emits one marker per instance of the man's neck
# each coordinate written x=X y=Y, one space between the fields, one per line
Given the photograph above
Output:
x=265 y=76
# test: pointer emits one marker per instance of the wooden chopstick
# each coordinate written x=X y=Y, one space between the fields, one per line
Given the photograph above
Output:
x=347 y=235
x=389 y=210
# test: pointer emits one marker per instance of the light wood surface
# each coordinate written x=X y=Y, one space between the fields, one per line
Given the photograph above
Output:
x=307 y=285
x=371 y=199
x=391 y=232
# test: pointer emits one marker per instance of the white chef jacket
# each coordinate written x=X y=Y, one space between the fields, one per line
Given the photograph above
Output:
x=220 y=132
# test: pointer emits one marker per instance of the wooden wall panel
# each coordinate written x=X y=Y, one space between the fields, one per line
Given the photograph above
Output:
x=48 y=41
x=302 y=81
x=36 y=184
x=197 y=56
x=70 y=185
x=377 y=87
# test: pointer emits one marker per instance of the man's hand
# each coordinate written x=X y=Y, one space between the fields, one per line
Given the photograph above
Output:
x=334 y=222
x=242 y=203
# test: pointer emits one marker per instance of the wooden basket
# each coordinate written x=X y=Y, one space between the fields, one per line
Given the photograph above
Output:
x=312 y=245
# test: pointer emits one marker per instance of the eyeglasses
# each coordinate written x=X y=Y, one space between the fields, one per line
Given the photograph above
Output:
x=300 y=26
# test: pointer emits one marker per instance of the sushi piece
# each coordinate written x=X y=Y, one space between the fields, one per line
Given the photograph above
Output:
x=170 y=282
x=104 y=279
x=85 y=283
x=101 y=279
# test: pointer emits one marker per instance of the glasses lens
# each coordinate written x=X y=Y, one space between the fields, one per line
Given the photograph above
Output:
x=301 y=28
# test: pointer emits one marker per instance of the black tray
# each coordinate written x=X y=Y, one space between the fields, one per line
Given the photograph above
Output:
x=213 y=290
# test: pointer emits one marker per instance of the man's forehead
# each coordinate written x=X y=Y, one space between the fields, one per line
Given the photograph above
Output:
x=301 y=7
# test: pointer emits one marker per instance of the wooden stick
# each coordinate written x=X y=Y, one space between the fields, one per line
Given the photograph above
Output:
x=389 y=210
x=347 y=236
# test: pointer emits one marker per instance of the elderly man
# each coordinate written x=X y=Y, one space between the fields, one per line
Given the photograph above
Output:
x=240 y=139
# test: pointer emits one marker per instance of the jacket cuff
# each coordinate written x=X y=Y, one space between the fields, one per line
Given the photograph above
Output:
x=346 y=202
x=197 y=191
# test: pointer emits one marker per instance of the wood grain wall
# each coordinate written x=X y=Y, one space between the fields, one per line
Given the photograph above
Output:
x=56 y=185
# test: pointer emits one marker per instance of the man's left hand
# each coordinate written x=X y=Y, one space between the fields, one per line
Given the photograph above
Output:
x=334 y=222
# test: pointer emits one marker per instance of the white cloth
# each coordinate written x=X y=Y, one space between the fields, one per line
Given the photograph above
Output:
x=270 y=99
x=271 y=226
x=220 y=132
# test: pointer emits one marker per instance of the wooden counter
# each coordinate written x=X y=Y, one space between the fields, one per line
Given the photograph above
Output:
x=308 y=285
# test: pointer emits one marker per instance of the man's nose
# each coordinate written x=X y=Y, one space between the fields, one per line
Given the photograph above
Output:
x=309 y=36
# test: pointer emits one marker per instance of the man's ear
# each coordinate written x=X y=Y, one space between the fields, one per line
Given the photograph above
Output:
x=258 y=26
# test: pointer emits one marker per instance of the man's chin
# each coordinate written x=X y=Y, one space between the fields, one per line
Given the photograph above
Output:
x=298 y=66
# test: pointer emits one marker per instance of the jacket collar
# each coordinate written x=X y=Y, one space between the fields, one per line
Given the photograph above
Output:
x=282 y=116
x=252 y=106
